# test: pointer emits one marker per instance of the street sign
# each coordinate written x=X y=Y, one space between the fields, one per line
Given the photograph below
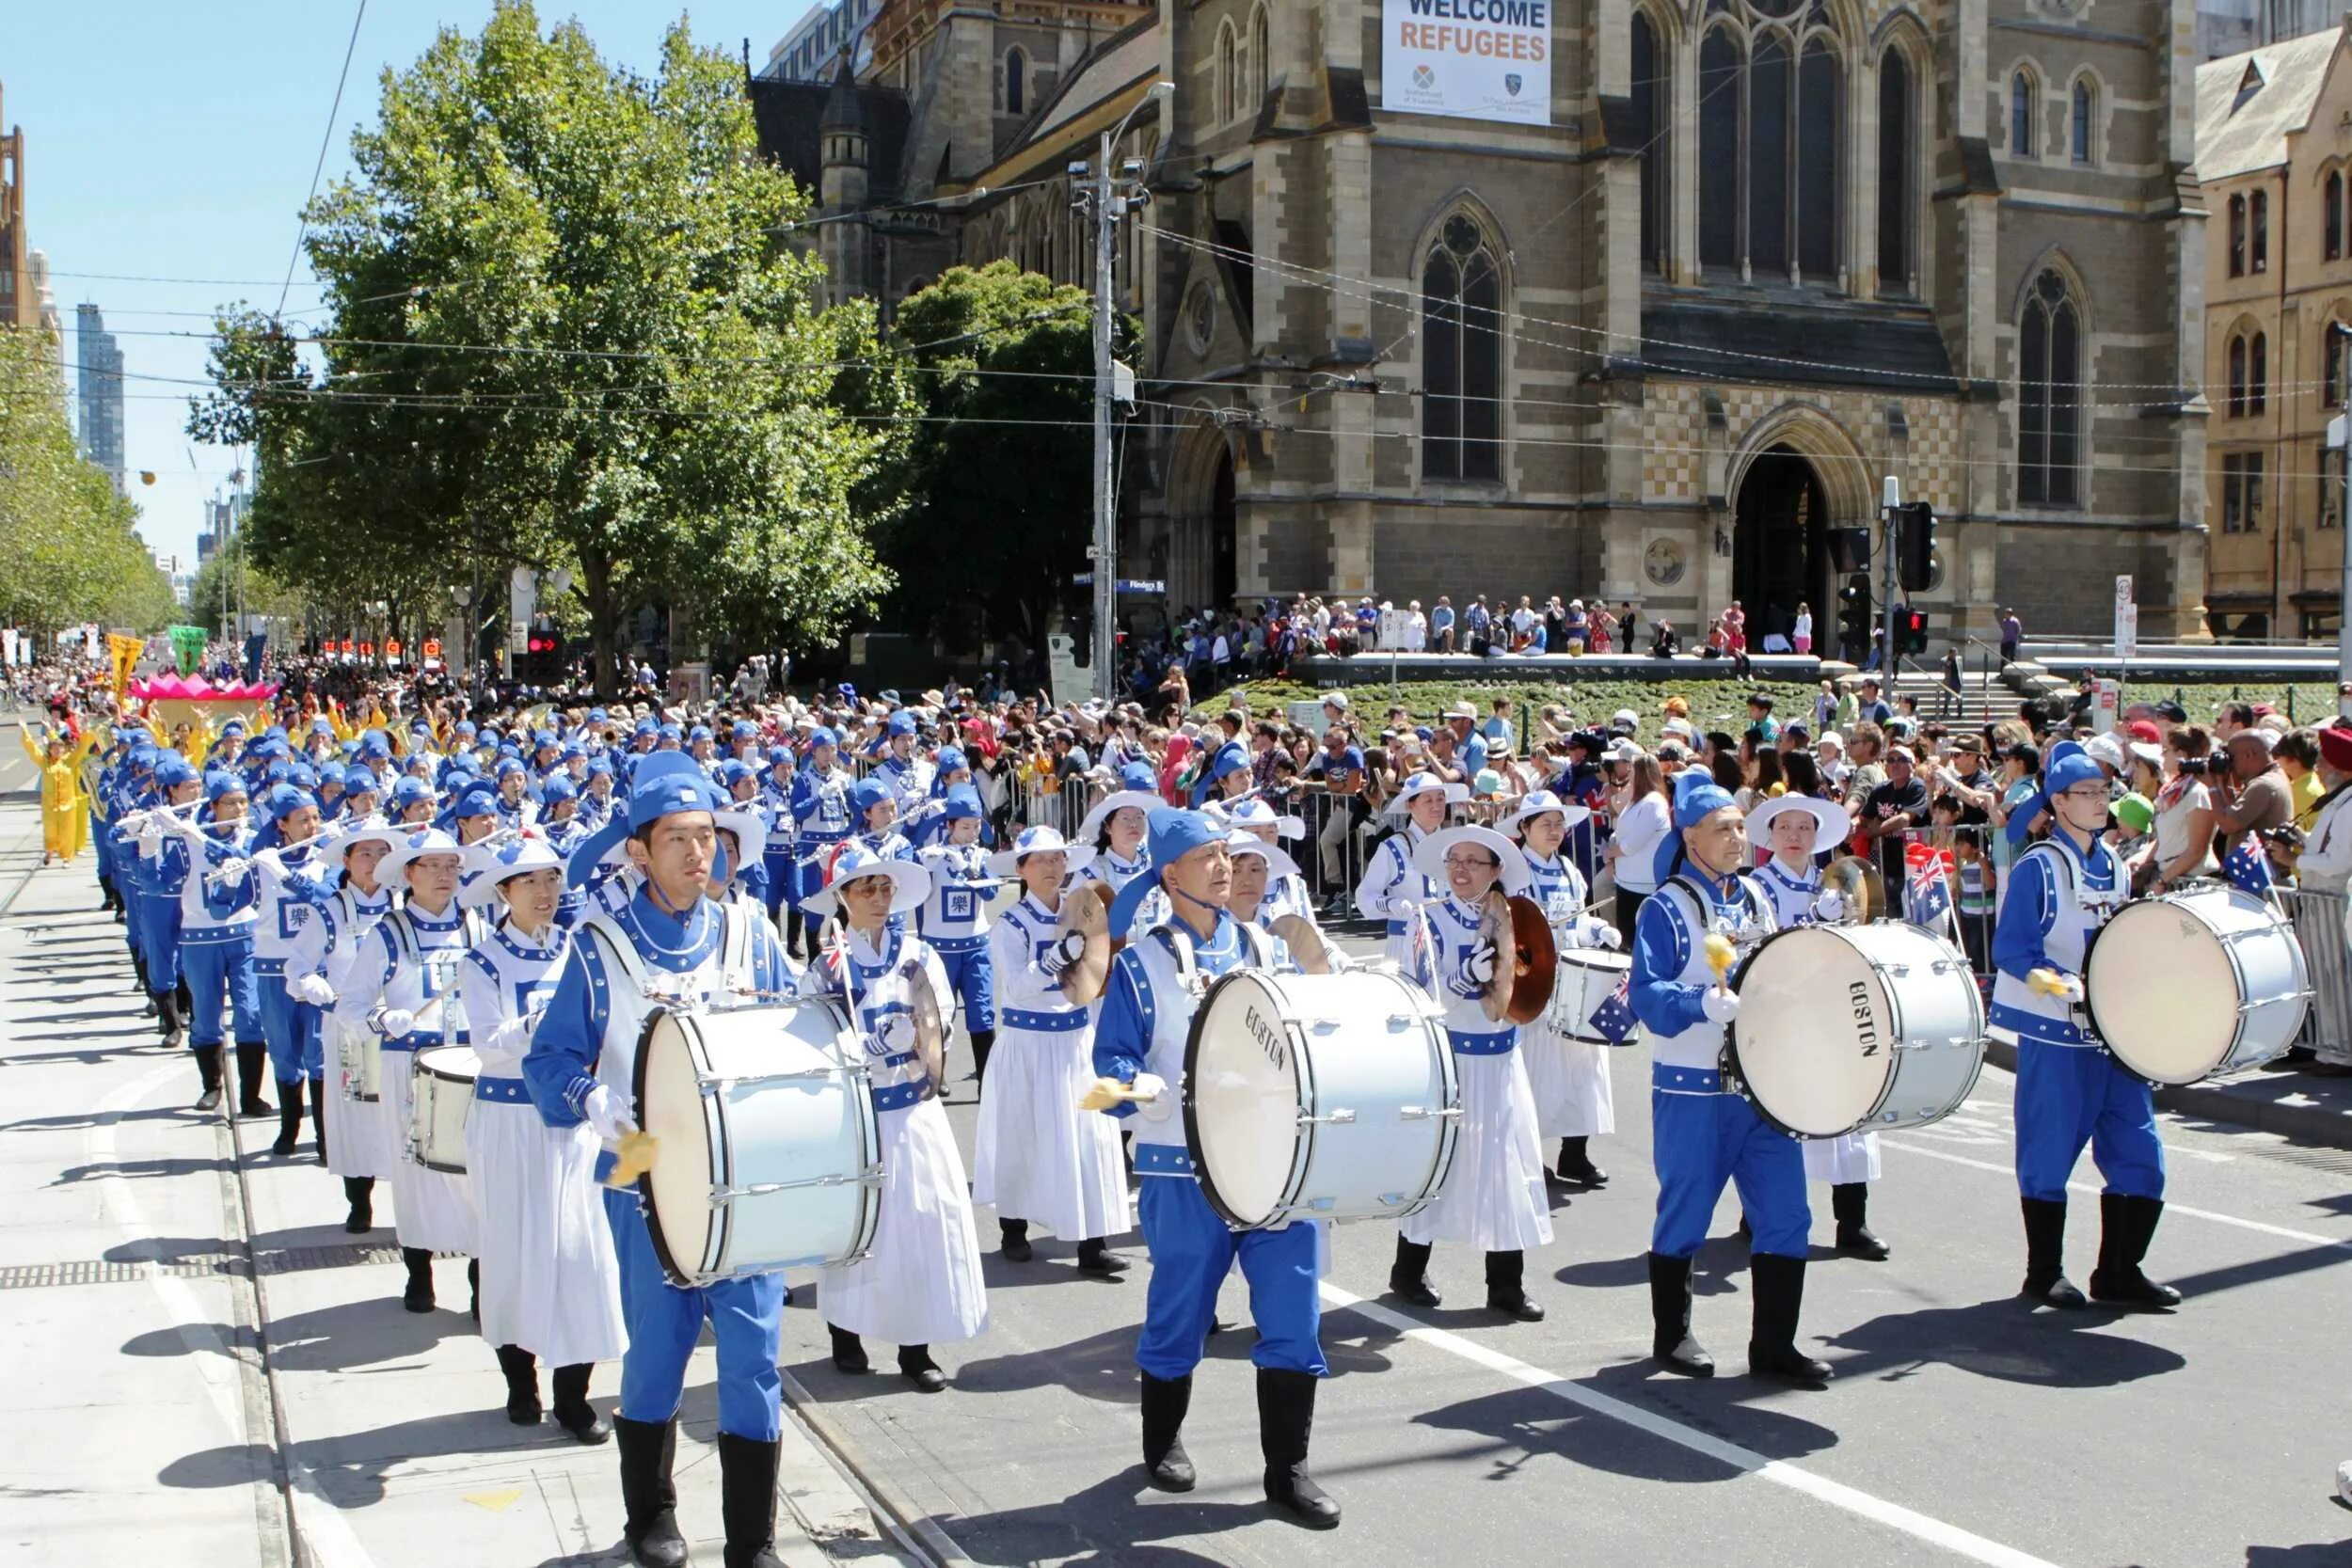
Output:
x=2126 y=618
x=1126 y=585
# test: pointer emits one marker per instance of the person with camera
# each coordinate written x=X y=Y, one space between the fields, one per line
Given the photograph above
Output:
x=2254 y=796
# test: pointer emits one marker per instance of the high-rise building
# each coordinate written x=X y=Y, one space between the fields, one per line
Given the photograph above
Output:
x=19 y=301
x=101 y=362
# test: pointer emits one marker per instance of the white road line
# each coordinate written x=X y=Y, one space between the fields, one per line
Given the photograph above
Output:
x=1935 y=1532
x=2310 y=1237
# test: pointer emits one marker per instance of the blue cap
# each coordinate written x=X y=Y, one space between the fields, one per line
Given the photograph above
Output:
x=172 y=769
x=599 y=716
x=667 y=732
x=745 y=730
x=864 y=796
x=665 y=784
x=1138 y=775
x=284 y=800
x=901 y=723
x=822 y=737
x=963 y=803
x=1170 y=834
x=1228 y=758
x=700 y=731
x=509 y=765
x=360 y=781
x=600 y=764
x=302 y=775
x=1697 y=797
x=559 y=787
x=333 y=772
x=479 y=800
x=952 y=761
x=408 y=789
x=221 y=782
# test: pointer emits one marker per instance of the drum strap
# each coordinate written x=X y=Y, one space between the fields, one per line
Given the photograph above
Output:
x=1179 y=945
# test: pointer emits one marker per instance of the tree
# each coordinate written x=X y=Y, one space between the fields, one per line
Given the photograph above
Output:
x=70 y=549
x=564 y=330
x=1002 y=469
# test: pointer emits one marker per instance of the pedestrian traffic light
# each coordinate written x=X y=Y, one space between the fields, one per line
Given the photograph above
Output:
x=1910 y=630
x=1915 y=561
x=1854 y=615
x=543 y=654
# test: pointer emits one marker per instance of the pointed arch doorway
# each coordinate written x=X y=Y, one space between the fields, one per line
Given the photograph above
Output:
x=1780 y=545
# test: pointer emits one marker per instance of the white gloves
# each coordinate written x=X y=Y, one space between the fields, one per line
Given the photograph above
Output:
x=1830 y=906
x=1153 y=1101
x=1600 y=933
x=893 y=1036
x=150 y=840
x=606 y=1113
x=315 y=990
x=1060 y=956
x=1721 y=1007
x=394 y=1021
x=1479 y=963
x=2067 y=987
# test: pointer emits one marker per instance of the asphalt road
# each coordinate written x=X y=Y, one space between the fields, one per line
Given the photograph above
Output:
x=1960 y=1427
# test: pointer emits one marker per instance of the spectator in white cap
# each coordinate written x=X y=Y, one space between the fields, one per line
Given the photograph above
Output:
x=1567 y=1069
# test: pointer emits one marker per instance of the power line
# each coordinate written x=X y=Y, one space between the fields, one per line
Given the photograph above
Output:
x=327 y=139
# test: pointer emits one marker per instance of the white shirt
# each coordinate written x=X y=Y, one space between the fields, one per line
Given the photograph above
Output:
x=1639 y=832
x=1804 y=624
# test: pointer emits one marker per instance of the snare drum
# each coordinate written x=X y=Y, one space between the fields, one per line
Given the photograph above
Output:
x=440 y=1092
x=1843 y=1028
x=1319 y=1097
x=2197 y=982
x=1588 y=977
x=769 y=1155
x=359 y=1057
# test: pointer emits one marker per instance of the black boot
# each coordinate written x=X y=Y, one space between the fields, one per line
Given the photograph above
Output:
x=2126 y=1225
x=1408 y=1276
x=1286 y=1415
x=2045 y=1254
x=1850 y=1202
x=522 y=1385
x=648 y=1498
x=208 y=1069
x=318 y=1116
x=418 y=1297
x=252 y=1061
x=572 y=1411
x=1779 y=1285
x=359 y=1192
x=288 y=1118
x=1096 y=1257
x=747 y=1500
x=983 y=1043
x=1016 y=1241
x=473 y=1284
x=916 y=1366
x=169 y=1022
x=1576 y=1165
x=849 y=1352
x=1506 y=1287
x=1165 y=1402
x=1671 y=1340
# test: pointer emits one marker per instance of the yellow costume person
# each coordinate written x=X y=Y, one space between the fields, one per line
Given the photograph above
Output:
x=64 y=809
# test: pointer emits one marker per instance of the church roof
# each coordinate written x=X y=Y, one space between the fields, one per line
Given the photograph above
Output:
x=1824 y=344
x=2248 y=105
x=788 y=116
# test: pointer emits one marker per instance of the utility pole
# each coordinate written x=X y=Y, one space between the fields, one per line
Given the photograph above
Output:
x=1890 y=502
x=1109 y=195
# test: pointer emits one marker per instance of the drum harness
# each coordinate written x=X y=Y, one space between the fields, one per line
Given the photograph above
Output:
x=2101 y=905
x=441 y=963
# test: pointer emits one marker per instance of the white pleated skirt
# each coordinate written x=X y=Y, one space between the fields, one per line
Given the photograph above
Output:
x=921 y=1283
x=1851 y=1157
x=363 y=1139
x=430 y=1209
x=1493 y=1199
x=1569 y=1080
x=549 y=1280
x=1037 y=1156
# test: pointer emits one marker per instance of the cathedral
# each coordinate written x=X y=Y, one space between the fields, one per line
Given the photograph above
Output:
x=1635 y=297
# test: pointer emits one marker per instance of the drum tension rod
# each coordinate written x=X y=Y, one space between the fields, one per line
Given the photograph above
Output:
x=1423 y=1113
x=713 y=1088
x=720 y=1196
x=1337 y=1118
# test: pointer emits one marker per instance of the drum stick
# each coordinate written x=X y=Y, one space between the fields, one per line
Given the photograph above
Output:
x=1107 y=1092
x=1719 y=956
x=2049 y=982
x=634 y=1158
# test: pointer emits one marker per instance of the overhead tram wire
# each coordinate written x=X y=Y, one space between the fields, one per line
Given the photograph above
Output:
x=327 y=139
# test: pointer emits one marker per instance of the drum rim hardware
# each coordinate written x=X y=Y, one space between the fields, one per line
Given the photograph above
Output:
x=2228 y=942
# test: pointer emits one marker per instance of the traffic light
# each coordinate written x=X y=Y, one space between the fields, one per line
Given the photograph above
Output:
x=1854 y=615
x=543 y=656
x=1910 y=630
x=1915 y=564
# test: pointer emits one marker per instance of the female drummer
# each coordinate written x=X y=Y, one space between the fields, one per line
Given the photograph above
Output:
x=550 y=1284
x=1393 y=888
x=1569 y=1077
x=1796 y=829
x=403 y=969
x=2069 y=1092
x=1040 y=1159
x=920 y=1285
x=1493 y=1197
x=361 y=1141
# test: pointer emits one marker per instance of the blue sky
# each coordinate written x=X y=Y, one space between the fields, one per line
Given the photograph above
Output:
x=165 y=139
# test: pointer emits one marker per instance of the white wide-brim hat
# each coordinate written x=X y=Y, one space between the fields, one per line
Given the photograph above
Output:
x=491 y=861
x=1537 y=802
x=1142 y=800
x=910 y=883
x=1032 y=841
x=1254 y=813
x=1832 y=825
x=749 y=825
x=414 y=846
x=1423 y=784
x=1429 y=856
x=1279 y=864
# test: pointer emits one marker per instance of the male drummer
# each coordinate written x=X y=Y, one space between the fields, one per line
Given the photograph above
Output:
x=2070 y=1090
x=1701 y=1135
x=1147 y=1013
x=668 y=935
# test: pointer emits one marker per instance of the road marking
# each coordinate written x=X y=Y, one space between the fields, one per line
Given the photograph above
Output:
x=1863 y=1505
x=2311 y=1237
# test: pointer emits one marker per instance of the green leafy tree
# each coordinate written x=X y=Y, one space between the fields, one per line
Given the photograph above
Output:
x=562 y=330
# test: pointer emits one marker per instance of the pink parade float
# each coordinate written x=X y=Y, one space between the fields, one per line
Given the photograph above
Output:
x=174 y=700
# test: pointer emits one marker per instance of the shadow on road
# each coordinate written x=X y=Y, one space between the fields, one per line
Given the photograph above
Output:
x=1118 y=1520
x=2003 y=1339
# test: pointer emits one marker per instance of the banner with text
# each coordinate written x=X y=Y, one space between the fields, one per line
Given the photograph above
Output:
x=1475 y=59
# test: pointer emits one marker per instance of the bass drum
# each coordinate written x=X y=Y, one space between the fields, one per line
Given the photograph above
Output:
x=1319 y=1097
x=1847 y=1028
x=2195 y=983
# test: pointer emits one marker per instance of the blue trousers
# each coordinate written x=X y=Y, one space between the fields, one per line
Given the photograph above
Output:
x=782 y=891
x=157 y=917
x=215 y=971
x=664 y=1322
x=2073 y=1095
x=973 y=974
x=1700 y=1141
x=291 y=1029
x=1192 y=1250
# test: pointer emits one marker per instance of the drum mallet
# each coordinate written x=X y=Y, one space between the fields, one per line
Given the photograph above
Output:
x=1107 y=1092
x=1719 y=956
x=634 y=1158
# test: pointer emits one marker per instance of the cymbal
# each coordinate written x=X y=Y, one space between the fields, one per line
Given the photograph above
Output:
x=1085 y=909
x=1527 y=960
x=930 y=1023
x=1309 y=948
x=1853 y=878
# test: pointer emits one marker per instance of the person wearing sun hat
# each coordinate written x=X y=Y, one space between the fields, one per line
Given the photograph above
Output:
x=1139 y=1040
x=358 y=1137
x=1493 y=1198
x=1286 y=894
x=1037 y=1158
x=2071 y=1092
x=1795 y=830
x=1113 y=829
x=666 y=939
x=1703 y=1134
x=1392 y=887
x=920 y=1284
x=1569 y=1077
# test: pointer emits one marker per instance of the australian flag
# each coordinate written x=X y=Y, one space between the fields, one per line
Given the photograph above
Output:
x=2247 y=868
x=1614 y=1018
x=1927 y=896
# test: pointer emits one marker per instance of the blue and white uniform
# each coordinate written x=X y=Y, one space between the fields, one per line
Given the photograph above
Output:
x=362 y=1140
x=288 y=891
x=1569 y=1078
x=1796 y=896
x=1390 y=889
x=216 y=936
x=954 y=922
x=821 y=819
